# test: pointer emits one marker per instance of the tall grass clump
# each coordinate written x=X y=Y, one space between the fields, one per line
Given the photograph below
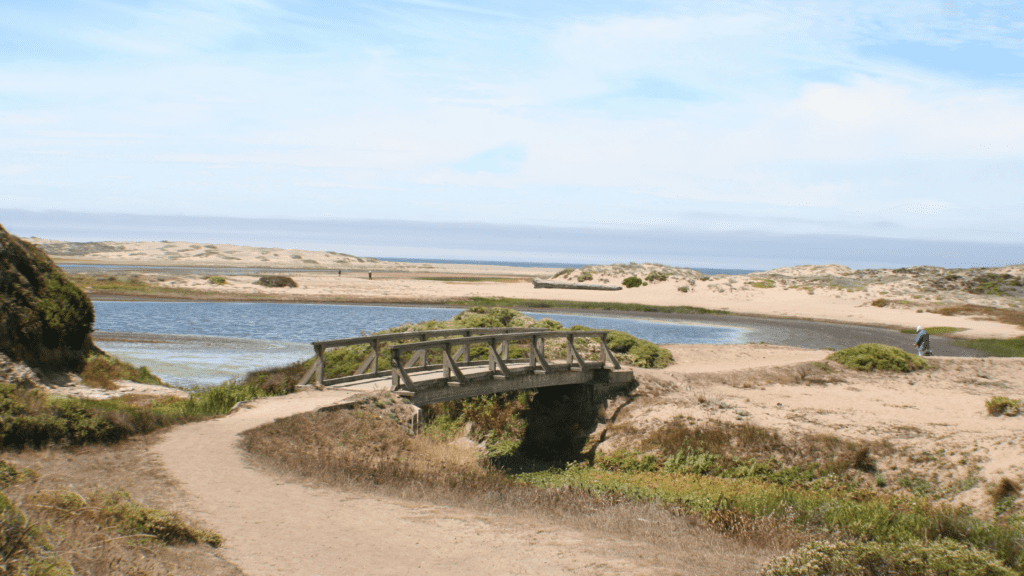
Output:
x=101 y=370
x=868 y=357
x=48 y=530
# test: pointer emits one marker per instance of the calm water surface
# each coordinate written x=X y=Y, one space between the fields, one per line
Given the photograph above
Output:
x=216 y=341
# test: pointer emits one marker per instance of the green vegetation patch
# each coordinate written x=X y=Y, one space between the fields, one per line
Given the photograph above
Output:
x=634 y=351
x=101 y=370
x=276 y=282
x=935 y=330
x=762 y=284
x=497 y=420
x=913 y=558
x=45 y=320
x=31 y=418
x=656 y=276
x=826 y=504
x=867 y=357
x=632 y=282
x=1010 y=347
x=1003 y=406
x=585 y=277
x=217 y=280
x=573 y=305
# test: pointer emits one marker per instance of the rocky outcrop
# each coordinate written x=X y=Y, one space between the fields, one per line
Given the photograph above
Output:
x=538 y=283
x=45 y=320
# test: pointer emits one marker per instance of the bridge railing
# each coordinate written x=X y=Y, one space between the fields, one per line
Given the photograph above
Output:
x=453 y=347
x=370 y=367
x=452 y=350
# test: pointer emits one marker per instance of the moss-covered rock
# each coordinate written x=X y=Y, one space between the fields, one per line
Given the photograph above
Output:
x=45 y=320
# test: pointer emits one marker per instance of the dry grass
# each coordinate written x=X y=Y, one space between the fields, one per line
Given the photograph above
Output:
x=92 y=547
x=1004 y=315
x=366 y=449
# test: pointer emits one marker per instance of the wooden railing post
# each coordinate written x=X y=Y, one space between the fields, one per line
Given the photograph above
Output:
x=375 y=346
x=320 y=366
x=568 y=350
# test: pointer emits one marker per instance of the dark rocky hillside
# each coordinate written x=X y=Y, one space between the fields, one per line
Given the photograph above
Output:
x=45 y=320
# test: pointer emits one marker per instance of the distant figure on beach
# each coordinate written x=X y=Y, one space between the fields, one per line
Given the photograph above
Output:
x=370 y=275
x=923 y=346
x=339 y=273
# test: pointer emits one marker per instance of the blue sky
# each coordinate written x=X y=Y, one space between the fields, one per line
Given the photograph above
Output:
x=864 y=119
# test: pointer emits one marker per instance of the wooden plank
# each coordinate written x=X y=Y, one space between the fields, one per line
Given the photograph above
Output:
x=319 y=367
x=398 y=336
x=611 y=355
x=450 y=365
x=539 y=354
x=309 y=373
x=499 y=362
x=573 y=353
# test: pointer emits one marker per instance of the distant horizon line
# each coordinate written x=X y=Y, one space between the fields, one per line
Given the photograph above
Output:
x=454 y=241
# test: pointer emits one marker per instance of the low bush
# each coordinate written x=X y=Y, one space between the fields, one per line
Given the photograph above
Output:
x=634 y=351
x=584 y=277
x=217 y=280
x=763 y=284
x=915 y=558
x=684 y=288
x=881 y=302
x=1003 y=406
x=277 y=282
x=656 y=276
x=632 y=282
x=867 y=357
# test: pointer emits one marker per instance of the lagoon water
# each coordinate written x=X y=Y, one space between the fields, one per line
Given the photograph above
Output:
x=216 y=341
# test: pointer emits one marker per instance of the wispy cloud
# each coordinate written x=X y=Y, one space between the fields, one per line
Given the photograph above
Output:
x=801 y=116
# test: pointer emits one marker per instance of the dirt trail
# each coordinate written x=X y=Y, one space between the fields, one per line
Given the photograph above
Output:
x=272 y=526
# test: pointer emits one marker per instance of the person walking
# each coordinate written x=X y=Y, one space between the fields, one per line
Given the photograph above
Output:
x=923 y=345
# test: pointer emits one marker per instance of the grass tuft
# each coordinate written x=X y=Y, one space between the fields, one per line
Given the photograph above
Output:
x=1003 y=406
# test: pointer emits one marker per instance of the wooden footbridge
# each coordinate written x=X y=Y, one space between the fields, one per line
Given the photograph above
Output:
x=438 y=365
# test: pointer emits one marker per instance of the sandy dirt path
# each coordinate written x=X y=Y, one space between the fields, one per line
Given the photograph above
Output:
x=272 y=526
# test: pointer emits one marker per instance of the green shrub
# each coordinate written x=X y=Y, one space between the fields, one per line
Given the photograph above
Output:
x=656 y=276
x=218 y=280
x=45 y=320
x=869 y=357
x=684 y=288
x=277 y=282
x=637 y=352
x=585 y=276
x=881 y=302
x=763 y=284
x=632 y=282
x=563 y=272
x=915 y=558
x=1003 y=406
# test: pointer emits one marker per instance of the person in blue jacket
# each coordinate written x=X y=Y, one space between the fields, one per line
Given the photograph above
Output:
x=923 y=346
